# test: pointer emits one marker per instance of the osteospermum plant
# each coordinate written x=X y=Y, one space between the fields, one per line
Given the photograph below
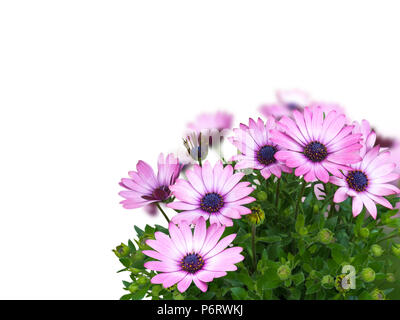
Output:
x=306 y=209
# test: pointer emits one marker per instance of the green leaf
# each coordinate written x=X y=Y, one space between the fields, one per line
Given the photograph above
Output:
x=126 y=297
x=298 y=278
x=270 y=239
x=239 y=293
x=299 y=222
x=139 y=231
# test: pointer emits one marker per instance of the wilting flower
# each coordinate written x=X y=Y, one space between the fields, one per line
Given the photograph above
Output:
x=185 y=256
x=257 y=150
x=208 y=121
x=367 y=182
x=212 y=193
x=316 y=145
x=145 y=188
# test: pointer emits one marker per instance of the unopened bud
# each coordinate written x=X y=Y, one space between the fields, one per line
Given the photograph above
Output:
x=121 y=251
x=368 y=274
x=257 y=215
x=326 y=236
x=364 y=233
x=377 y=294
x=284 y=272
x=261 y=196
x=396 y=250
x=133 y=288
x=390 y=277
x=327 y=281
x=376 y=250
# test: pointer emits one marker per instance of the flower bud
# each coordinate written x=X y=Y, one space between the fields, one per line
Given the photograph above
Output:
x=368 y=274
x=261 y=196
x=284 y=272
x=342 y=283
x=377 y=294
x=303 y=231
x=376 y=250
x=141 y=280
x=325 y=236
x=313 y=275
x=121 y=251
x=316 y=208
x=133 y=288
x=364 y=233
x=327 y=281
x=390 y=277
x=396 y=250
x=134 y=270
x=257 y=215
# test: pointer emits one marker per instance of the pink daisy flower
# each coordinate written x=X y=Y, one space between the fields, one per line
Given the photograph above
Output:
x=316 y=145
x=257 y=150
x=212 y=193
x=208 y=121
x=367 y=182
x=185 y=256
x=144 y=187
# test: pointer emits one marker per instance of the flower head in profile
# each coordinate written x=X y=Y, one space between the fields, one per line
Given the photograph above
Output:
x=317 y=145
x=368 y=182
x=144 y=187
x=196 y=145
x=208 y=121
x=212 y=193
x=187 y=256
x=367 y=134
x=257 y=150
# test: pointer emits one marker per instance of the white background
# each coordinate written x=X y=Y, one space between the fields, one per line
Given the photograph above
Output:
x=88 y=88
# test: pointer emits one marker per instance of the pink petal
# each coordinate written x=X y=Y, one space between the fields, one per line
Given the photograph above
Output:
x=200 y=232
x=168 y=279
x=340 y=195
x=185 y=283
x=200 y=284
x=161 y=266
x=357 y=206
x=221 y=245
x=321 y=173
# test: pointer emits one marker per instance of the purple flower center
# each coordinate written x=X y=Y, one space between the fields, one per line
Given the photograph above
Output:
x=315 y=151
x=293 y=106
x=160 y=194
x=357 y=180
x=192 y=263
x=266 y=155
x=211 y=202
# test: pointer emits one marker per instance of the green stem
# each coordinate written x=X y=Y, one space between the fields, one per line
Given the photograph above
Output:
x=299 y=198
x=388 y=238
x=163 y=213
x=277 y=193
x=253 y=245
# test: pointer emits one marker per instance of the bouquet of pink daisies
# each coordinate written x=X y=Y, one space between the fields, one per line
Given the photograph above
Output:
x=305 y=209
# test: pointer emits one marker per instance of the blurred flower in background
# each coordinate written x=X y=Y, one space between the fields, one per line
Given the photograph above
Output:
x=291 y=100
x=208 y=121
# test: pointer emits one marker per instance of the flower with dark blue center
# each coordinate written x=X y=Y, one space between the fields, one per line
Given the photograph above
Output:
x=211 y=202
x=315 y=151
x=357 y=180
x=192 y=263
x=266 y=154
